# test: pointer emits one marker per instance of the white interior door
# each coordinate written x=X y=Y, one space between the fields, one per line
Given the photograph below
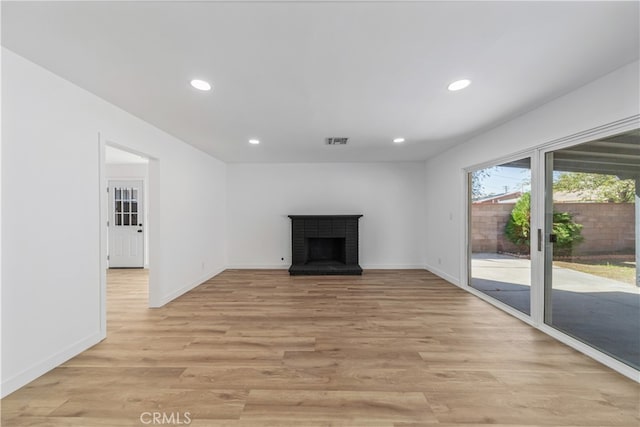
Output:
x=126 y=231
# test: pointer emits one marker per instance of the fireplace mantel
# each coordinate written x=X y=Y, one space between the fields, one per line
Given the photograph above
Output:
x=324 y=244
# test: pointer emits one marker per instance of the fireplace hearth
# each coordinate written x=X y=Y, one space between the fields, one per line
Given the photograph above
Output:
x=324 y=244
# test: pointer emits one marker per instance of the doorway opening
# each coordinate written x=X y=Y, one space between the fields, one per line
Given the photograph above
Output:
x=127 y=175
x=124 y=230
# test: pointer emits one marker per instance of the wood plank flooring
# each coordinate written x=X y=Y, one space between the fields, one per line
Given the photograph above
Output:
x=261 y=348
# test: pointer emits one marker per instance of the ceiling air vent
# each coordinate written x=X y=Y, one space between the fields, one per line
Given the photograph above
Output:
x=337 y=141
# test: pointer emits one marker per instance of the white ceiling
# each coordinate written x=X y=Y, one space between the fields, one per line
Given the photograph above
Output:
x=293 y=73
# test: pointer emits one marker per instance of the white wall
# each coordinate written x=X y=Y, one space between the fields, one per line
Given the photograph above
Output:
x=389 y=195
x=134 y=172
x=609 y=99
x=51 y=234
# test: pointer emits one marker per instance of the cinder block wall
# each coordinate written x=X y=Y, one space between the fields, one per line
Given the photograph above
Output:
x=488 y=222
x=607 y=227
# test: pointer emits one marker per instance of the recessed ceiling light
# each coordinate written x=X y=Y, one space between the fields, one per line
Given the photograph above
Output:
x=200 y=84
x=398 y=140
x=459 y=84
x=254 y=141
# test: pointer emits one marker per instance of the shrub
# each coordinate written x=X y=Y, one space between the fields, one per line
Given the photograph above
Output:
x=518 y=228
x=568 y=233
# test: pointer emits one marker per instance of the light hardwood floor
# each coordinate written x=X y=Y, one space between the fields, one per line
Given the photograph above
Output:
x=261 y=348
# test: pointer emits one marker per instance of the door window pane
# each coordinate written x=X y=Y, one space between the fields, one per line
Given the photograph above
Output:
x=500 y=234
x=591 y=235
x=125 y=206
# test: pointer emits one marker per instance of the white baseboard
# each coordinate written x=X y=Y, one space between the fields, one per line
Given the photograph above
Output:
x=175 y=294
x=258 y=267
x=391 y=267
x=442 y=274
x=26 y=376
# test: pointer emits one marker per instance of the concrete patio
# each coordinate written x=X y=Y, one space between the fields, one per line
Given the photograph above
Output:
x=602 y=312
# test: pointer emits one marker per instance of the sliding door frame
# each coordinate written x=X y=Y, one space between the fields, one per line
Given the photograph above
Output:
x=465 y=272
x=538 y=194
x=611 y=129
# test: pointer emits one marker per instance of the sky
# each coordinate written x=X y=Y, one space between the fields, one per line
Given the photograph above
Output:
x=501 y=177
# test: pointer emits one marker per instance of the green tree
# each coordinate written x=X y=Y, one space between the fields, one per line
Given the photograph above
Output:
x=477 y=177
x=518 y=228
x=477 y=181
x=597 y=187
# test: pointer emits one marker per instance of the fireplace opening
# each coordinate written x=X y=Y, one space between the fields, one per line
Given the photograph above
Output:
x=325 y=251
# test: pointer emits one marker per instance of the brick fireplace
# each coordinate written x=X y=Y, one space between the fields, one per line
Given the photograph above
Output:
x=324 y=244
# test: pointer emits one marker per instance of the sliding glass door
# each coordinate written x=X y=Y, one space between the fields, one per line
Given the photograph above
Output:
x=565 y=254
x=500 y=231
x=592 y=288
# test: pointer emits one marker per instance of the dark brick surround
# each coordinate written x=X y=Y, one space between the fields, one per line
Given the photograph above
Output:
x=324 y=244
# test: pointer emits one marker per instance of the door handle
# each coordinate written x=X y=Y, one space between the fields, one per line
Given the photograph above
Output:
x=553 y=238
x=539 y=240
x=139 y=231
